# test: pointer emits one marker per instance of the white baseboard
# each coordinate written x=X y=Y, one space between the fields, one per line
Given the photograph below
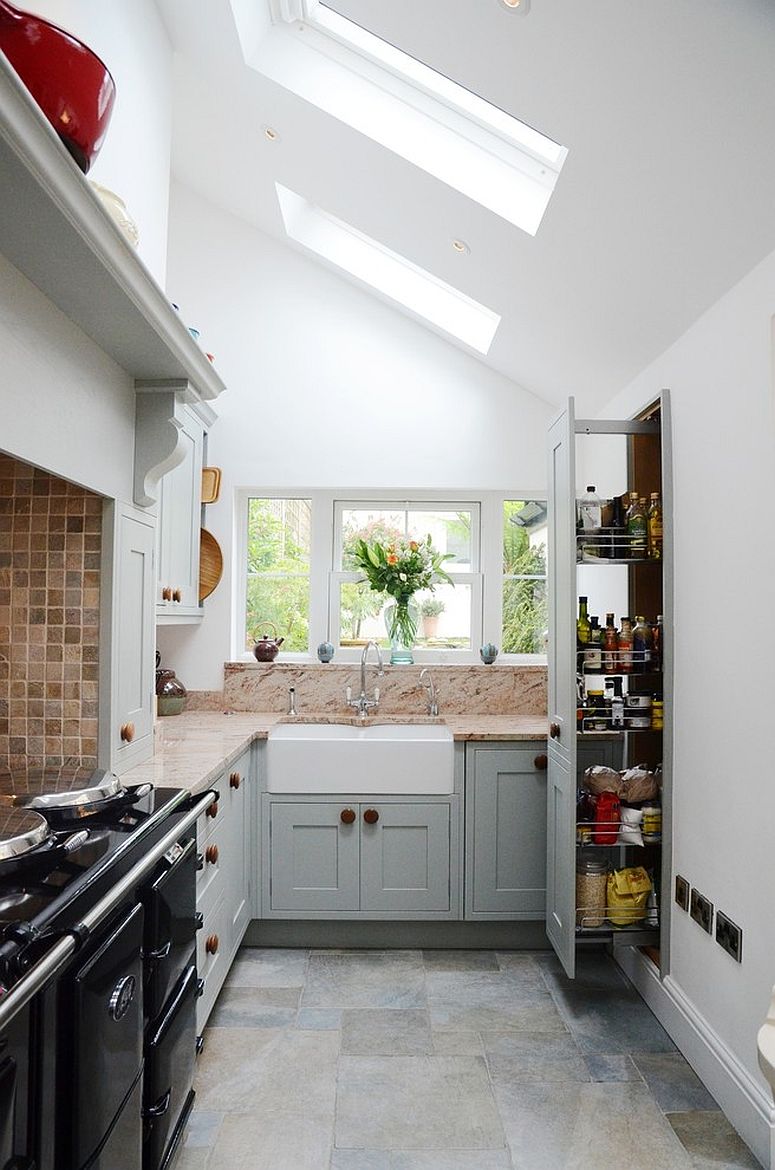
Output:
x=746 y=1102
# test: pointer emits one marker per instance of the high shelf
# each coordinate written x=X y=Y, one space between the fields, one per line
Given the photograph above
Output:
x=622 y=456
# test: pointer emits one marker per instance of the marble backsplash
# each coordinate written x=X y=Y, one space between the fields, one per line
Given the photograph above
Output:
x=493 y=690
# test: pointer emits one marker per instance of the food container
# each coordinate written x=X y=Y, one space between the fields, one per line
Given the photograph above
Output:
x=170 y=693
x=639 y=702
x=591 y=877
x=637 y=722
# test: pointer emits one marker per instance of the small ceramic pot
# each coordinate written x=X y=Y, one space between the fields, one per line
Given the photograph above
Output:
x=488 y=653
x=116 y=209
x=325 y=651
x=170 y=693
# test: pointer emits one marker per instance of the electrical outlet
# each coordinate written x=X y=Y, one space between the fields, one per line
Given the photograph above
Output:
x=701 y=911
x=729 y=936
x=682 y=891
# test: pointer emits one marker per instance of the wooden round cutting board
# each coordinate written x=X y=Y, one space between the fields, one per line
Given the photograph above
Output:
x=210 y=563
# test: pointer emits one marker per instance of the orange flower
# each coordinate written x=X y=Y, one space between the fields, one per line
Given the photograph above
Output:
x=413 y=545
x=392 y=559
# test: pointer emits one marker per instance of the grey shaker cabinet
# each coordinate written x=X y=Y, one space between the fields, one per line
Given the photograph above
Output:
x=506 y=831
x=332 y=858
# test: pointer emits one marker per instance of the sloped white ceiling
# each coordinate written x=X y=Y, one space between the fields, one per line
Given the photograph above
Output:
x=665 y=200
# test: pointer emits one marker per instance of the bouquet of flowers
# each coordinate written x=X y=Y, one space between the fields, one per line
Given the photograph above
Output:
x=400 y=569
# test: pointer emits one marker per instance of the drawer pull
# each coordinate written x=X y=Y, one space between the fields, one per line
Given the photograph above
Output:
x=211 y=854
x=213 y=809
x=541 y=762
x=127 y=732
x=371 y=816
x=166 y=593
x=177 y=595
x=212 y=944
x=235 y=780
x=347 y=816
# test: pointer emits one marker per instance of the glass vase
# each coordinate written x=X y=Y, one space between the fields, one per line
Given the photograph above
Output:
x=401 y=621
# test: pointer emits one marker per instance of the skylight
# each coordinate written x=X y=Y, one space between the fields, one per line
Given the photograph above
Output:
x=409 y=108
x=390 y=274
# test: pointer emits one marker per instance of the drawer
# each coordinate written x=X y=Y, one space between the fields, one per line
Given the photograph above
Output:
x=212 y=964
x=207 y=824
x=214 y=850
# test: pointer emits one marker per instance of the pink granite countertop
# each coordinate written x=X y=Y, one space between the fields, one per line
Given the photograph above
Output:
x=193 y=749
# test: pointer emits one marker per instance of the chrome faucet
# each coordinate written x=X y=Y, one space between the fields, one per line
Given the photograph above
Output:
x=363 y=703
x=426 y=681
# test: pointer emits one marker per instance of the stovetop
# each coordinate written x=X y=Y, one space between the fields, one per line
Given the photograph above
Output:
x=40 y=898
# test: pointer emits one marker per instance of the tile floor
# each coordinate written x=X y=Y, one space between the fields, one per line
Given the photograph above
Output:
x=445 y=1060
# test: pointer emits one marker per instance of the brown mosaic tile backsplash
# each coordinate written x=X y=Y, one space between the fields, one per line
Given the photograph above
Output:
x=50 y=545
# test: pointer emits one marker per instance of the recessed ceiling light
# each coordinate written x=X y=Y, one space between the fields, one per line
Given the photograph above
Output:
x=461 y=246
x=271 y=134
x=521 y=6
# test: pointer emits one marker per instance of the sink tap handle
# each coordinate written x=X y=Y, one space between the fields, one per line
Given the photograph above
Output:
x=376 y=695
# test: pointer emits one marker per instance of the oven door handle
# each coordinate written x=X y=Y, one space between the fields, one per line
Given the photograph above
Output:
x=53 y=961
x=160 y=1108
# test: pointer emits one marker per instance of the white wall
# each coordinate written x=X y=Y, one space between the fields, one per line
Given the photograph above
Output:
x=64 y=404
x=720 y=377
x=328 y=387
x=135 y=158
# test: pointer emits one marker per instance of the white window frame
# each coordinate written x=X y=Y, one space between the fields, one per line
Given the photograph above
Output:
x=486 y=581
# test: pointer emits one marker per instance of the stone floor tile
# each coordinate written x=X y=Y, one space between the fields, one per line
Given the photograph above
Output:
x=256 y=1007
x=253 y=1143
x=457 y=1043
x=416 y=1102
x=268 y=967
x=202 y=1129
x=421 y=1160
x=614 y=1023
x=712 y=1142
x=192 y=1159
x=525 y=965
x=360 y=979
x=611 y=1068
x=515 y=1058
x=319 y=1019
x=588 y=1127
x=386 y=1032
x=672 y=1080
x=460 y=960
x=270 y=1073
x=485 y=1001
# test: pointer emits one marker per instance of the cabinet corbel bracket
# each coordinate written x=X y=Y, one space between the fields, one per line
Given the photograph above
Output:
x=159 y=444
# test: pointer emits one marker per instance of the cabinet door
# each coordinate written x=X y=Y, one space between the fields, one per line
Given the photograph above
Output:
x=133 y=638
x=561 y=776
x=506 y=832
x=314 y=857
x=236 y=803
x=180 y=513
x=405 y=858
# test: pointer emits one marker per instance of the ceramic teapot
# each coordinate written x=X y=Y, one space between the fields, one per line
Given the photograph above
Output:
x=266 y=648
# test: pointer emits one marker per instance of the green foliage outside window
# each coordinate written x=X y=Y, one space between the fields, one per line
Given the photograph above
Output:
x=278 y=570
x=525 y=607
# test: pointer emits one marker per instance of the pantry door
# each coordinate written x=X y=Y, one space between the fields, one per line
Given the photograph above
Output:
x=561 y=773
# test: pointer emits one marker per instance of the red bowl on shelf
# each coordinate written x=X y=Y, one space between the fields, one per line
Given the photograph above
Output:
x=71 y=85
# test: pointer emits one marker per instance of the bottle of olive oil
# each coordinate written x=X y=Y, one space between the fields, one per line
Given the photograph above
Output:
x=583 y=627
x=637 y=528
x=654 y=520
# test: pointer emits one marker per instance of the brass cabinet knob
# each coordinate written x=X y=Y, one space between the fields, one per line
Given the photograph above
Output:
x=212 y=943
x=371 y=816
x=127 y=732
x=213 y=809
x=554 y=730
x=235 y=780
x=541 y=762
x=177 y=595
x=166 y=593
x=347 y=816
x=211 y=854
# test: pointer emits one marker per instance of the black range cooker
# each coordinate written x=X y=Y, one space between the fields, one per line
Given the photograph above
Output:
x=98 y=980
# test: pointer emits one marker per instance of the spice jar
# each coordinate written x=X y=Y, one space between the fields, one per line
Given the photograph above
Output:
x=591 y=876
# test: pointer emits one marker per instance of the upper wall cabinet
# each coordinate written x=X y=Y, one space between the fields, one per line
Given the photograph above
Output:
x=177 y=595
x=55 y=231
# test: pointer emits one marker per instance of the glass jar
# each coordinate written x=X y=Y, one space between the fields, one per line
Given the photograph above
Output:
x=591 y=878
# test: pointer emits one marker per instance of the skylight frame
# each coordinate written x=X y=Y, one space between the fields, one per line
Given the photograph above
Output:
x=370 y=262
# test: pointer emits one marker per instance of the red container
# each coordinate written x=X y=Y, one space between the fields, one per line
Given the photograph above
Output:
x=607 y=815
x=68 y=81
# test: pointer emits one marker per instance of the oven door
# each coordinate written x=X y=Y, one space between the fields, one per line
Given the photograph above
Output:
x=169 y=1073
x=170 y=925
x=108 y=1051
